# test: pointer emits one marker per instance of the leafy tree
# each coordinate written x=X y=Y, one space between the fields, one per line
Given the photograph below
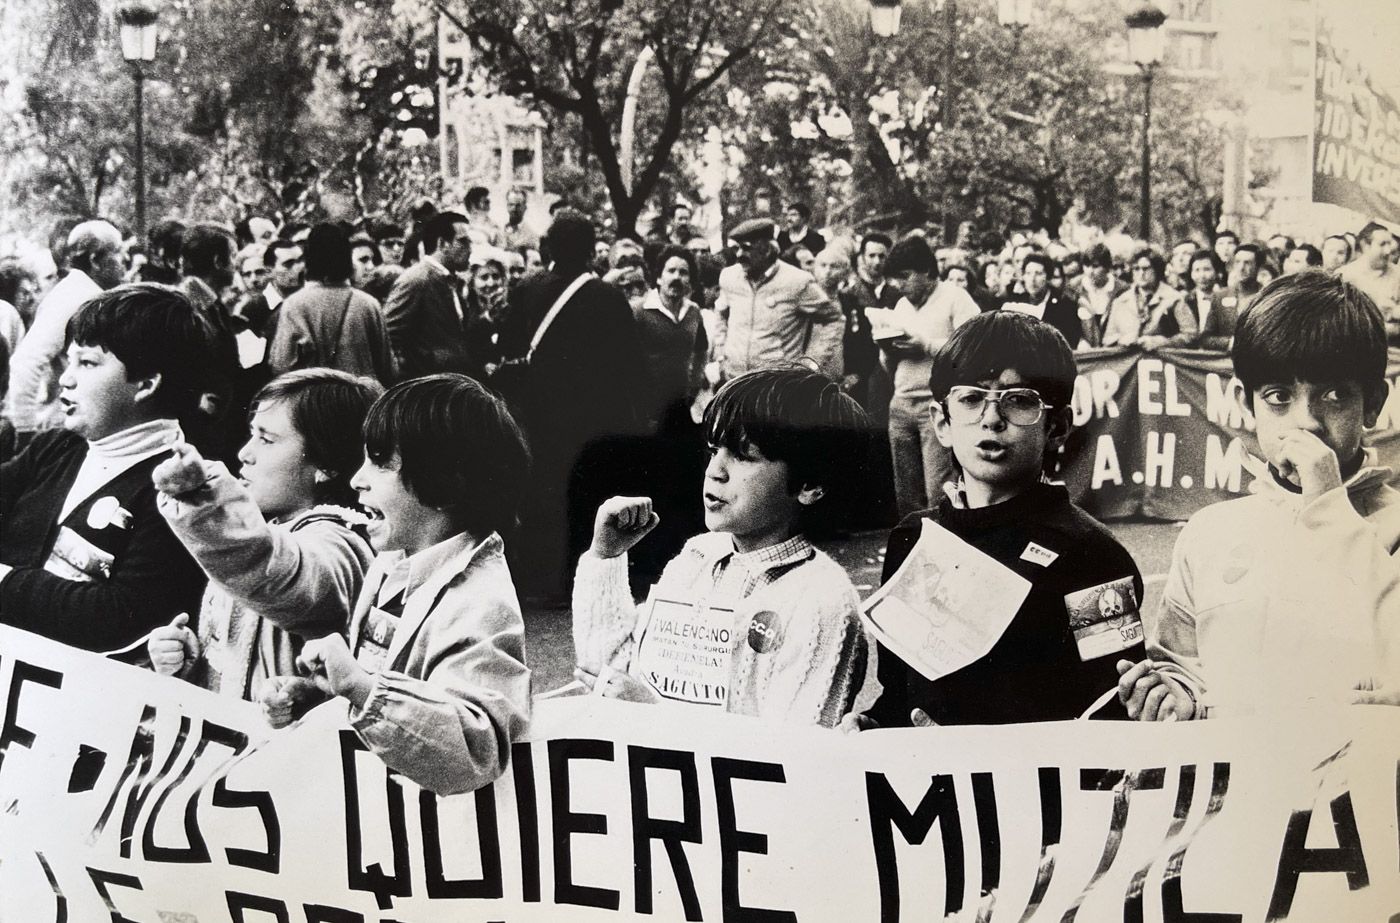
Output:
x=574 y=59
x=1026 y=127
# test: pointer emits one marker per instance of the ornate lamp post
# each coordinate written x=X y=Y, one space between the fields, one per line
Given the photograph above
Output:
x=138 y=30
x=1015 y=15
x=1146 y=42
x=884 y=17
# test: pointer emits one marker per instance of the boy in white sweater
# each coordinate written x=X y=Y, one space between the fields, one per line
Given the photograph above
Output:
x=749 y=617
x=1291 y=596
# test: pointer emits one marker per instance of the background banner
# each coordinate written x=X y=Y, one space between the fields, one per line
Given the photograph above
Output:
x=128 y=796
x=1356 y=137
x=1158 y=434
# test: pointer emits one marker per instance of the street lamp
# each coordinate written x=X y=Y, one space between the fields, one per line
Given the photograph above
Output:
x=1146 y=42
x=138 y=28
x=884 y=17
x=1015 y=13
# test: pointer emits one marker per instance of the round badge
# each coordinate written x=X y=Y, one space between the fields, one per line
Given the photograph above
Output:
x=104 y=512
x=765 y=631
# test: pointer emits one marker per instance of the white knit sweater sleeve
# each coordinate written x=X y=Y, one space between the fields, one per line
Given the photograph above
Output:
x=604 y=614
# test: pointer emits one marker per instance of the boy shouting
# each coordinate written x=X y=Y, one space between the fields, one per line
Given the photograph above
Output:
x=1067 y=593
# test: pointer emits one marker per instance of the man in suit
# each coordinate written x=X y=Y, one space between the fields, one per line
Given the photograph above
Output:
x=1057 y=309
x=575 y=401
x=284 y=272
x=424 y=311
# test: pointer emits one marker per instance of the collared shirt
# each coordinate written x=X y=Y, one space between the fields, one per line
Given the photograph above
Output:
x=274 y=296
x=1034 y=309
x=653 y=302
x=738 y=573
x=876 y=288
x=405 y=573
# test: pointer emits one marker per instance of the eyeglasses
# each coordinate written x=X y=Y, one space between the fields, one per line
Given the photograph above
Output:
x=1143 y=267
x=1021 y=406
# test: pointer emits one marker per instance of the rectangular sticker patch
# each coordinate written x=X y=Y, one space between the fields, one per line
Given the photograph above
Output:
x=77 y=559
x=1104 y=618
x=1038 y=555
x=685 y=651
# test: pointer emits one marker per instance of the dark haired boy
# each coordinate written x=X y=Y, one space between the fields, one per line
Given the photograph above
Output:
x=749 y=617
x=87 y=559
x=435 y=667
x=1290 y=596
x=1001 y=391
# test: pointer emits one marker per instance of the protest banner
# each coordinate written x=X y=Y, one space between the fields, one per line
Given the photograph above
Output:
x=1356 y=133
x=1159 y=434
x=127 y=796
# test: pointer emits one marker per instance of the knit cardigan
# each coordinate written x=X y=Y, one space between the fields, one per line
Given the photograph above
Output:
x=811 y=676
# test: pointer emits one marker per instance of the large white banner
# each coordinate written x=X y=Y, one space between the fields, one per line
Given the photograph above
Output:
x=128 y=796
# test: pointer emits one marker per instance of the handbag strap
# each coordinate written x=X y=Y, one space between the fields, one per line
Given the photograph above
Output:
x=554 y=310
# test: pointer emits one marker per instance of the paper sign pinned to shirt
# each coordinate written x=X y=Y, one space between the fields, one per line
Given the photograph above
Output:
x=685 y=651
x=946 y=605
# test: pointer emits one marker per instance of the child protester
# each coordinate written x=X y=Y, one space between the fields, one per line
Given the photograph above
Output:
x=435 y=666
x=749 y=617
x=87 y=559
x=283 y=550
x=1001 y=390
x=1290 y=596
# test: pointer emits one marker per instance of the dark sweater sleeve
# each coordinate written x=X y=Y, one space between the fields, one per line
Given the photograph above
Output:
x=15 y=474
x=1101 y=562
x=151 y=582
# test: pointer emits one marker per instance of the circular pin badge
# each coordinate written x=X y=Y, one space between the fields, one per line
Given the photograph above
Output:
x=765 y=631
x=107 y=511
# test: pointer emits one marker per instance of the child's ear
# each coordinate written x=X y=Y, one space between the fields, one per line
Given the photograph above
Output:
x=147 y=387
x=1242 y=396
x=1059 y=422
x=941 y=427
x=810 y=494
x=321 y=477
x=1374 y=401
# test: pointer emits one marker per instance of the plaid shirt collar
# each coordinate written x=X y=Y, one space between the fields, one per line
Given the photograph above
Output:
x=792 y=551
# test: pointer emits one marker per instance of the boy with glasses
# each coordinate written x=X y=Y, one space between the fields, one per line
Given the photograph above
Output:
x=1001 y=392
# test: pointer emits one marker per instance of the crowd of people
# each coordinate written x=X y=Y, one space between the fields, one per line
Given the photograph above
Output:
x=299 y=462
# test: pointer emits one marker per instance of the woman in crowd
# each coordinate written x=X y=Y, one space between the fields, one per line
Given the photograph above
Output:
x=486 y=304
x=1203 y=275
x=281 y=546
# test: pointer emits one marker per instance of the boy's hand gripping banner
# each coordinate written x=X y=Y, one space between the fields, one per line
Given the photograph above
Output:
x=128 y=796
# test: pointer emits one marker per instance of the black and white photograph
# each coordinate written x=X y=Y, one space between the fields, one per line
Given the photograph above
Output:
x=760 y=461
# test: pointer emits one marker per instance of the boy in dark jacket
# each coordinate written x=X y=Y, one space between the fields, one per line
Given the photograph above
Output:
x=1001 y=393
x=85 y=558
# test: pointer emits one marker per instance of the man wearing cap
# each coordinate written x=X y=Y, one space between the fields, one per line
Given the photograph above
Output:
x=770 y=307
